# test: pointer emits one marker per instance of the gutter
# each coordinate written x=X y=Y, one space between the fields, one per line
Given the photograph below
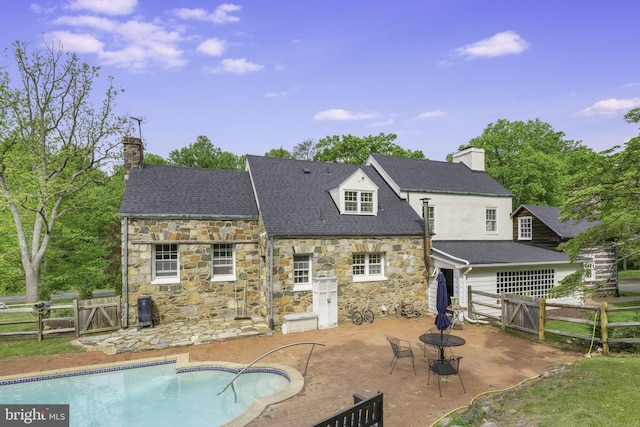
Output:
x=271 y=324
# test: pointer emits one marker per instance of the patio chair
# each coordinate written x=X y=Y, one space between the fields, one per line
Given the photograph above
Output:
x=401 y=349
x=444 y=368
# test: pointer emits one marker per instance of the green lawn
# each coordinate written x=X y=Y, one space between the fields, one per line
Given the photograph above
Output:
x=599 y=391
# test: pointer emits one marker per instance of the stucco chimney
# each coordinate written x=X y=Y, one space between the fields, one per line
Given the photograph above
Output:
x=133 y=155
x=473 y=157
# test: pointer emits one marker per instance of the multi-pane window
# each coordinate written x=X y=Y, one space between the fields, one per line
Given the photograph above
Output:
x=165 y=261
x=432 y=219
x=301 y=272
x=525 y=228
x=223 y=261
x=535 y=283
x=358 y=201
x=366 y=201
x=368 y=266
x=491 y=220
x=351 y=201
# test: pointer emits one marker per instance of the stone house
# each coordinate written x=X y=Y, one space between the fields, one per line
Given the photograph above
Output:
x=282 y=237
x=293 y=237
x=542 y=226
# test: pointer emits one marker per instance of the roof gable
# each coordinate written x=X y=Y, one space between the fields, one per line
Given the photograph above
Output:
x=436 y=177
x=550 y=216
x=158 y=190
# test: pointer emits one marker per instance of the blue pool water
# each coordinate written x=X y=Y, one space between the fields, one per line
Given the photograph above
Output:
x=153 y=394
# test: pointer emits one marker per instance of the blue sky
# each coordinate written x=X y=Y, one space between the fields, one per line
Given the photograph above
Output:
x=256 y=75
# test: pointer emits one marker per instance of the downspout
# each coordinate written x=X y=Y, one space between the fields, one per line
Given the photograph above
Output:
x=125 y=275
x=271 y=324
x=427 y=238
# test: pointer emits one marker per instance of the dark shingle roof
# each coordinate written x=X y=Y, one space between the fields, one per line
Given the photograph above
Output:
x=442 y=177
x=550 y=216
x=294 y=200
x=498 y=252
x=182 y=191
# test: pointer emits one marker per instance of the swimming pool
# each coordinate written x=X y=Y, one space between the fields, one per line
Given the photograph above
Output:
x=165 y=391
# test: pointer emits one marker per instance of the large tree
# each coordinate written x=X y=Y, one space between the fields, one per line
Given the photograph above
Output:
x=203 y=154
x=530 y=159
x=305 y=150
x=52 y=140
x=356 y=150
x=607 y=190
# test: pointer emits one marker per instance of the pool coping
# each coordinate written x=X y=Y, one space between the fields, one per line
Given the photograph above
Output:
x=183 y=364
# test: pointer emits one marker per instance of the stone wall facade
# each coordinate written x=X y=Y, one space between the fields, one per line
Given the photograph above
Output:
x=404 y=269
x=196 y=296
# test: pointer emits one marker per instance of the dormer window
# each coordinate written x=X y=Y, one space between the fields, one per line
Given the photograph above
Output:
x=358 y=202
x=355 y=194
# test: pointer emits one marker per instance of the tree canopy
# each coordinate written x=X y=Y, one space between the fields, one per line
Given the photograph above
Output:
x=53 y=144
x=203 y=154
x=531 y=159
x=608 y=191
x=356 y=150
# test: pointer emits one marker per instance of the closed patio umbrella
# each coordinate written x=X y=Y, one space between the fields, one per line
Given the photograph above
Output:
x=442 y=301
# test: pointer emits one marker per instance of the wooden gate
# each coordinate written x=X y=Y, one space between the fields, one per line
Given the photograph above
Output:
x=97 y=315
x=521 y=312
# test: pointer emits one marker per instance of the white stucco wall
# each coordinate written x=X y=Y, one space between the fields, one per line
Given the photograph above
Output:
x=462 y=217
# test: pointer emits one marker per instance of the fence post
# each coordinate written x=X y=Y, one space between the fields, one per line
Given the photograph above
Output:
x=543 y=313
x=503 y=312
x=40 y=325
x=469 y=303
x=603 y=327
x=76 y=318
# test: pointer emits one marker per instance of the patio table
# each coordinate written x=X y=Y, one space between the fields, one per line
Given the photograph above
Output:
x=442 y=341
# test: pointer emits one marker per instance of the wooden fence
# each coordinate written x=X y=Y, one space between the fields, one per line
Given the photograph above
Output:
x=88 y=316
x=530 y=315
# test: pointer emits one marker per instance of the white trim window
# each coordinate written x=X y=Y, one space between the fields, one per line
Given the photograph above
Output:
x=491 y=220
x=359 y=202
x=525 y=228
x=166 y=263
x=368 y=266
x=302 y=272
x=431 y=213
x=223 y=262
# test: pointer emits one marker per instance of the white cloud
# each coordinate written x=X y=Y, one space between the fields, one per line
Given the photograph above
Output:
x=340 y=114
x=107 y=7
x=212 y=47
x=95 y=22
x=219 y=16
x=611 y=106
x=430 y=114
x=505 y=43
x=236 y=66
x=81 y=43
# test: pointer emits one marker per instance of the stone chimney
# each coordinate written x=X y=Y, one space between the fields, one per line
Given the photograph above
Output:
x=133 y=155
x=473 y=157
